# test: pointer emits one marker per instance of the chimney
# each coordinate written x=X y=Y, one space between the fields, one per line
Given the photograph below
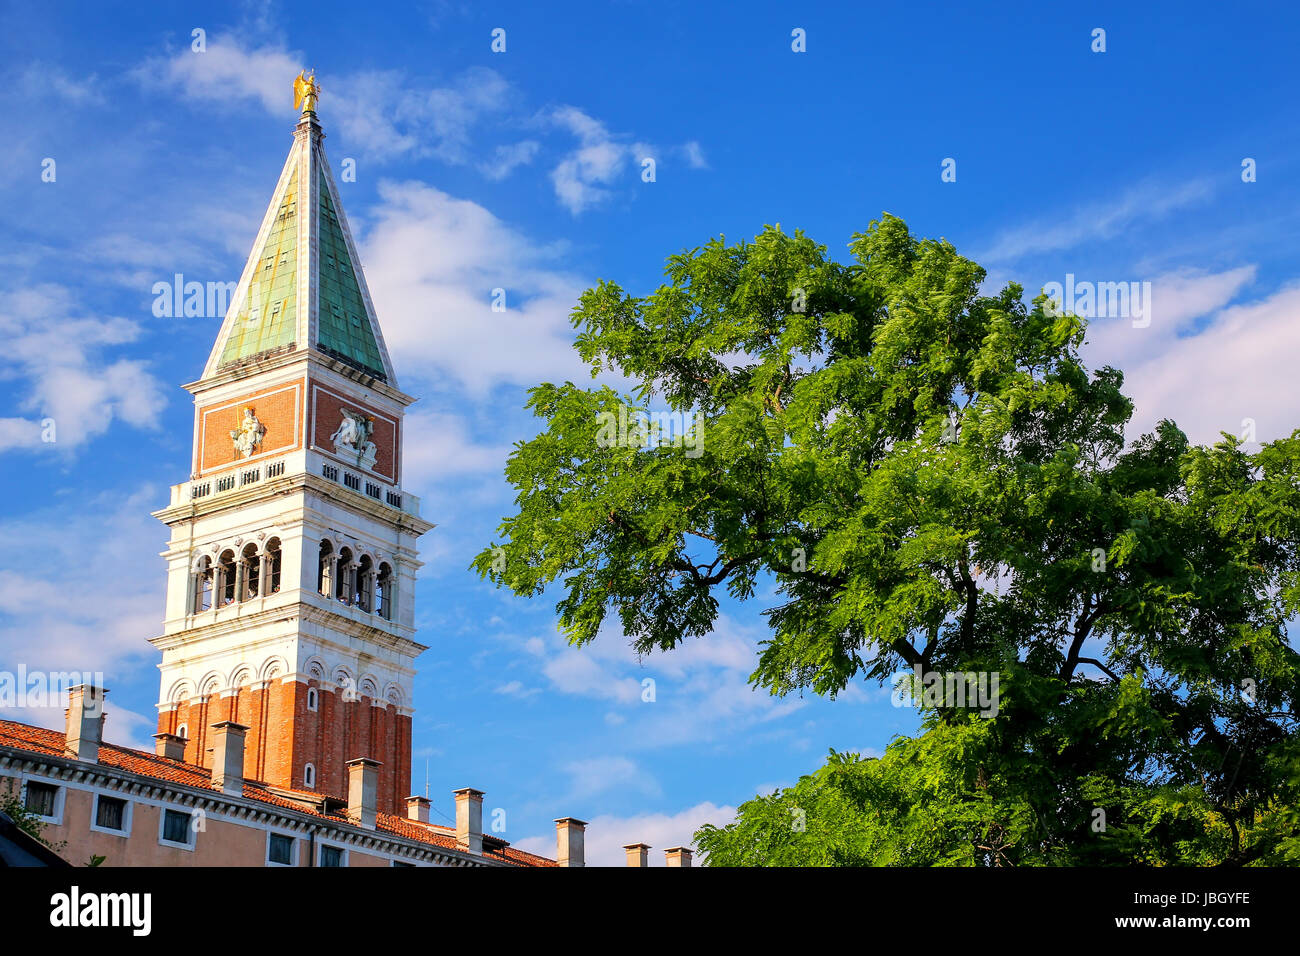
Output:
x=170 y=746
x=417 y=808
x=678 y=855
x=85 y=722
x=570 y=833
x=638 y=854
x=363 y=791
x=228 y=757
x=469 y=819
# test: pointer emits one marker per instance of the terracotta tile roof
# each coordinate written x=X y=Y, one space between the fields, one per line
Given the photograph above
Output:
x=50 y=742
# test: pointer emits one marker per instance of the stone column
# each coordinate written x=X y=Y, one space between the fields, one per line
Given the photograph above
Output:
x=371 y=577
x=263 y=572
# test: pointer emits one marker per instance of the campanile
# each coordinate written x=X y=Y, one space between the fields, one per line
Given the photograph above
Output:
x=292 y=560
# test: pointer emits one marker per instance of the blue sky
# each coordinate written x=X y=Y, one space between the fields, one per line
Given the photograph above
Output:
x=522 y=170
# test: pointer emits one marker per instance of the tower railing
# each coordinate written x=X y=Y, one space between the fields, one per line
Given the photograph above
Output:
x=359 y=482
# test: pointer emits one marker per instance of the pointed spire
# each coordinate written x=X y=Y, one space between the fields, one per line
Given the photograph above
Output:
x=302 y=286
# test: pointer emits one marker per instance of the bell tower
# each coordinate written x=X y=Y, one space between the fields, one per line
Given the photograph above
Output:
x=292 y=560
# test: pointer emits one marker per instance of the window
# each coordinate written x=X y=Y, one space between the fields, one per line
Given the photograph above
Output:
x=343 y=588
x=384 y=592
x=279 y=850
x=111 y=814
x=365 y=584
x=226 y=567
x=309 y=776
x=273 y=556
x=203 y=585
x=331 y=856
x=313 y=699
x=325 y=577
x=176 y=827
x=250 y=571
x=183 y=731
x=41 y=798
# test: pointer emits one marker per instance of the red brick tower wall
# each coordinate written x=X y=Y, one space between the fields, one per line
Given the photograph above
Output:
x=284 y=736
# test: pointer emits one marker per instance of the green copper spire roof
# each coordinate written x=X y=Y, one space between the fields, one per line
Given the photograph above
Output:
x=302 y=287
x=344 y=329
x=267 y=317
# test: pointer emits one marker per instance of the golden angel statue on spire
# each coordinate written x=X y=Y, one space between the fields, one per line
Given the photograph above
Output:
x=305 y=91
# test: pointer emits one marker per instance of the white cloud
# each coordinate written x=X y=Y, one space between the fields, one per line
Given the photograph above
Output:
x=1177 y=300
x=227 y=73
x=695 y=155
x=87 y=603
x=508 y=157
x=606 y=834
x=1098 y=220
x=58 y=354
x=387 y=115
x=438 y=446
x=597 y=775
x=516 y=689
x=432 y=263
x=44 y=79
x=701 y=688
x=1234 y=368
x=582 y=176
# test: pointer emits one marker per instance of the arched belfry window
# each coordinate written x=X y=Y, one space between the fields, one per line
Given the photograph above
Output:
x=203 y=573
x=384 y=591
x=273 y=562
x=346 y=567
x=365 y=583
x=227 y=573
x=250 y=570
x=326 y=573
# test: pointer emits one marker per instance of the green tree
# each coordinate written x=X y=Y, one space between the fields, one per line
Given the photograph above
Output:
x=933 y=482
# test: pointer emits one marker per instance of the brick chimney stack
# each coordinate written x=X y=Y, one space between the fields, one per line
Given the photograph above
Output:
x=638 y=854
x=228 y=757
x=417 y=808
x=363 y=792
x=678 y=856
x=469 y=819
x=170 y=746
x=85 y=722
x=570 y=836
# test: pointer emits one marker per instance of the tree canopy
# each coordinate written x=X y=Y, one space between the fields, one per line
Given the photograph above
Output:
x=932 y=481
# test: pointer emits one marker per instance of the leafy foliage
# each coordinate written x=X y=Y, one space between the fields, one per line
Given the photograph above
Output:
x=932 y=479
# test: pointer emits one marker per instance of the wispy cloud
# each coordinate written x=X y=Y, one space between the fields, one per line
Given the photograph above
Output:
x=508 y=157
x=1097 y=220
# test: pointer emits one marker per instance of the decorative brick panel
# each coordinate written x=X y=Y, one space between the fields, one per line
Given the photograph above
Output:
x=326 y=413
x=280 y=411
